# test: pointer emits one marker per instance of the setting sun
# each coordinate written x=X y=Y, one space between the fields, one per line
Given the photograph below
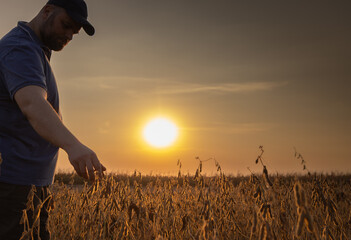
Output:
x=160 y=132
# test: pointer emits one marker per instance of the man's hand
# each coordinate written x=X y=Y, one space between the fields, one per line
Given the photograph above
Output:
x=85 y=161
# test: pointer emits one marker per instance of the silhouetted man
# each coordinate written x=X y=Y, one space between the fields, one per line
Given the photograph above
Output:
x=31 y=128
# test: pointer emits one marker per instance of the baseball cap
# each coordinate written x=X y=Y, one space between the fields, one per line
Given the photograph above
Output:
x=78 y=11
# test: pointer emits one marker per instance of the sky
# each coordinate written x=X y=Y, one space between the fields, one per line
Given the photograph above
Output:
x=232 y=75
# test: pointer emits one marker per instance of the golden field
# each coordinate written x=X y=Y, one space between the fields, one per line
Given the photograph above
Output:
x=260 y=206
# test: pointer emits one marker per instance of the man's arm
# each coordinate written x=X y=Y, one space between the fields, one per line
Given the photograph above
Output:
x=47 y=123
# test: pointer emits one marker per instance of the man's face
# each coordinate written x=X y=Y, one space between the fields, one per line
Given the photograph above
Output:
x=58 y=29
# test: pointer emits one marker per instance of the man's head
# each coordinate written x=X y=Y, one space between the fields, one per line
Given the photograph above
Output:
x=77 y=10
x=60 y=20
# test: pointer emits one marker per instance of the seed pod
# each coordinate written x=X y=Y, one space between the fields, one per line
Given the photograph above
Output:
x=257 y=193
x=196 y=173
x=265 y=176
x=282 y=217
x=185 y=222
x=200 y=196
x=24 y=218
x=268 y=232
x=269 y=211
x=134 y=207
x=51 y=203
x=252 y=180
x=300 y=223
x=308 y=222
x=300 y=199
x=262 y=208
x=325 y=233
x=30 y=198
x=152 y=214
x=254 y=224
x=262 y=232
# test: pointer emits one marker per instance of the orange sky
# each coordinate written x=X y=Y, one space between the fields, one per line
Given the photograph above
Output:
x=232 y=75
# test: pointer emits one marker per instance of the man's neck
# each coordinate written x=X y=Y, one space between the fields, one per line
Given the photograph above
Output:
x=34 y=25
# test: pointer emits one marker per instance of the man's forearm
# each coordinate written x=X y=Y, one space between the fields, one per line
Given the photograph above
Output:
x=44 y=119
x=47 y=123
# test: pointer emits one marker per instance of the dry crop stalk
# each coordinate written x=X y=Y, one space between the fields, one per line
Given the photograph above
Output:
x=304 y=217
x=254 y=225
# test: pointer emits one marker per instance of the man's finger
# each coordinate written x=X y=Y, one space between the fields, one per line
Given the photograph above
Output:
x=90 y=170
x=97 y=165
x=83 y=170
x=103 y=167
x=76 y=168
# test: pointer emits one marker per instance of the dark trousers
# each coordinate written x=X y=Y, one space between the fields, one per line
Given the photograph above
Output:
x=13 y=200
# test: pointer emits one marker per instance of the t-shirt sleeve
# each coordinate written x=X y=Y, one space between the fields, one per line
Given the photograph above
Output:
x=21 y=67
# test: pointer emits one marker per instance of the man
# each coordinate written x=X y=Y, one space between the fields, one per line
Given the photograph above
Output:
x=31 y=128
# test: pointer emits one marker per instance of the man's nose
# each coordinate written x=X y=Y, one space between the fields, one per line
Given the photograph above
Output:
x=69 y=36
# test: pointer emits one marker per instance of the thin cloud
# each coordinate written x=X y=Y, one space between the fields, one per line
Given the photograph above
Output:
x=220 y=88
x=136 y=86
x=232 y=128
x=106 y=86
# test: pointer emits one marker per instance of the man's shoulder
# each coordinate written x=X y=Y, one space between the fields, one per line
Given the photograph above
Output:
x=16 y=39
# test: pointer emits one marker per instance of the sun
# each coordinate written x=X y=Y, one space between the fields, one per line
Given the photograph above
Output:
x=160 y=132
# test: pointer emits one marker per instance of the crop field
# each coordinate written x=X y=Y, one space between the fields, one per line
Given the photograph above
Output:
x=260 y=206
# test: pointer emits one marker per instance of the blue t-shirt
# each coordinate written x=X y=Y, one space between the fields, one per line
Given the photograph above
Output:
x=28 y=159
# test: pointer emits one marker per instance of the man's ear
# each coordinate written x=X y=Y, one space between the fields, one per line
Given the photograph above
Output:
x=47 y=11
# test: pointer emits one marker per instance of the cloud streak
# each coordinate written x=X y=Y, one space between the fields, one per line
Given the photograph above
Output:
x=186 y=88
x=227 y=128
x=135 y=86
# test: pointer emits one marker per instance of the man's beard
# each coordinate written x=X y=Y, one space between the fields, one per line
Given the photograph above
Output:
x=49 y=39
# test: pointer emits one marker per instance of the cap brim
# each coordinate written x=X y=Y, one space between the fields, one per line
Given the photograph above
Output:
x=88 y=28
